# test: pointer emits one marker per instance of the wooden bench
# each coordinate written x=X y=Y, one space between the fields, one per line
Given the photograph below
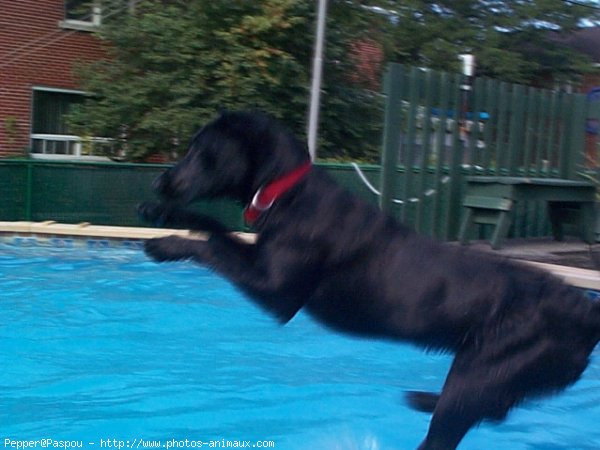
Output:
x=491 y=200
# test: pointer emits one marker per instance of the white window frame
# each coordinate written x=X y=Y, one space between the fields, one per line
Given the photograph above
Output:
x=77 y=143
x=95 y=17
x=92 y=24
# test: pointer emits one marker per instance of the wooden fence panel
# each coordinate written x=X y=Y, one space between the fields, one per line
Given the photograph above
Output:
x=437 y=132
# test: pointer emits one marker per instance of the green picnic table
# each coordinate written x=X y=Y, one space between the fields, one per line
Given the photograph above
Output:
x=492 y=200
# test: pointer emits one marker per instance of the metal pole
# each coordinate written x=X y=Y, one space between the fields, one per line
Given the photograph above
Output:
x=391 y=134
x=317 y=75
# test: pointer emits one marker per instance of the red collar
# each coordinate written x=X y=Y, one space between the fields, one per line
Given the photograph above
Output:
x=267 y=195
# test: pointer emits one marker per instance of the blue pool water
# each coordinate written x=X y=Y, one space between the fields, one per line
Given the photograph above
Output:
x=102 y=346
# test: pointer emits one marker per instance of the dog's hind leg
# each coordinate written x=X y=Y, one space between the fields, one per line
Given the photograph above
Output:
x=458 y=410
x=472 y=393
x=488 y=379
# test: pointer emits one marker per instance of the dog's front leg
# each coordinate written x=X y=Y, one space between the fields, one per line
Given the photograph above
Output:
x=174 y=248
x=166 y=214
x=276 y=278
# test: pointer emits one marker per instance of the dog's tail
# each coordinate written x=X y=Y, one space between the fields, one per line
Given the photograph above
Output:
x=422 y=401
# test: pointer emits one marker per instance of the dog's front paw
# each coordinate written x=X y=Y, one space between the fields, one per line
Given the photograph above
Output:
x=154 y=213
x=170 y=248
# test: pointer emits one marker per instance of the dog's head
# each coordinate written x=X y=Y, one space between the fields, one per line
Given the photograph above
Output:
x=232 y=157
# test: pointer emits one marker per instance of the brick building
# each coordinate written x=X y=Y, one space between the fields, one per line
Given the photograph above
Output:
x=40 y=42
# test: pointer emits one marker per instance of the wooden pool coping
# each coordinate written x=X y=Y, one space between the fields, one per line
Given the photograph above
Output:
x=582 y=278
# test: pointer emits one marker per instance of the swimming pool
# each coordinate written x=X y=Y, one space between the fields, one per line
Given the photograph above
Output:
x=104 y=347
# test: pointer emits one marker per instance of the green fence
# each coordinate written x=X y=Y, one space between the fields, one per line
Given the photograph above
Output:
x=108 y=193
x=439 y=129
x=73 y=192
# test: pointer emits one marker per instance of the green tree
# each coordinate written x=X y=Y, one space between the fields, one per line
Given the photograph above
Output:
x=173 y=64
x=515 y=41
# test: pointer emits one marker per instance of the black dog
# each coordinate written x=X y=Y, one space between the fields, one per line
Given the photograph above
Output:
x=517 y=332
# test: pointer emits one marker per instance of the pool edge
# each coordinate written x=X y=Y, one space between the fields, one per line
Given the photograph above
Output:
x=581 y=278
x=51 y=229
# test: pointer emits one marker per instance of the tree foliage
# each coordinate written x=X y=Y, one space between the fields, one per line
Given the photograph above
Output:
x=513 y=40
x=173 y=64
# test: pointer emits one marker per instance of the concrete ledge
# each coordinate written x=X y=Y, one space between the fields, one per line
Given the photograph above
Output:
x=583 y=278
x=87 y=230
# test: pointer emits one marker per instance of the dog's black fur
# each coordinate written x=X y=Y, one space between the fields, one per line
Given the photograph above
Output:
x=516 y=332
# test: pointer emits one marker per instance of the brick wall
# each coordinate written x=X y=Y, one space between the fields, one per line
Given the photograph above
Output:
x=35 y=51
x=367 y=56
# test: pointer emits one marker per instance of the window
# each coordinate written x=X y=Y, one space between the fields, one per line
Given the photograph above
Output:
x=84 y=15
x=50 y=136
x=88 y=15
x=82 y=10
